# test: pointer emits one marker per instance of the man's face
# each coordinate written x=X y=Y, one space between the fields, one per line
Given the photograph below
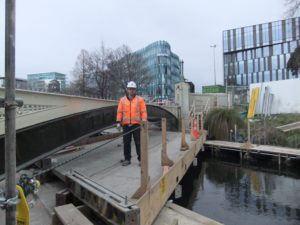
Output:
x=131 y=91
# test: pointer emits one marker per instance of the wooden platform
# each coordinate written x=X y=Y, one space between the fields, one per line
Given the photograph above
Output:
x=258 y=149
x=177 y=215
x=105 y=175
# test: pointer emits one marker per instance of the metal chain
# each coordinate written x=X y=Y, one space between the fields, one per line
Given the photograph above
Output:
x=4 y=203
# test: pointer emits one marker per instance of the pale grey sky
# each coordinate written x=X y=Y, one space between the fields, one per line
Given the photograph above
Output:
x=51 y=33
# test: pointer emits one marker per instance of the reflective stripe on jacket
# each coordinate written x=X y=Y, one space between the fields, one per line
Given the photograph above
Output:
x=131 y=112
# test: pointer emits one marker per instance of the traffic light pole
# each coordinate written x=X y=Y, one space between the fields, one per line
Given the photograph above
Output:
x=10 y=110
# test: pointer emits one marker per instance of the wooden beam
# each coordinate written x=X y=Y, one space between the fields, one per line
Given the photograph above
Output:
x=155 y=198
x=70 y=215
x=184 y=145
x=144 y=162
x=165 y=161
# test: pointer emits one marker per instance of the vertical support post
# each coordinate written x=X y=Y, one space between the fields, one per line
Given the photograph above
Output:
x=249 y=141
x=184 y=145
x=10 y=110
x=193 y=138
x=235 y=133
x=144 y=162
x=202 y=124
x=165 y=161
x=198 y=123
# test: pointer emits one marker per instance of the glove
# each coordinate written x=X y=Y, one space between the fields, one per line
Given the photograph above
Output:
x=119 y=127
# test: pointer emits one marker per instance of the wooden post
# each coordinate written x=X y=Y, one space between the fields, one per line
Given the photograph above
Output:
x=198 y=123
x=184 y=145
x=165 y=161
x=144 y=162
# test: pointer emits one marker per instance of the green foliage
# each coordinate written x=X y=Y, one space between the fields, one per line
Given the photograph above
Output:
x=293 y=63
x=219 y=122
x=273 y=135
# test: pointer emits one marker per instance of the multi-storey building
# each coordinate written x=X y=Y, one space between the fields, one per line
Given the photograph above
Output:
x=165 y=69
x=259 y=53
x=41 y=81
x=20 y=83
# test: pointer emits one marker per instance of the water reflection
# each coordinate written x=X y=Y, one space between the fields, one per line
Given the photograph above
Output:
x=237 y=195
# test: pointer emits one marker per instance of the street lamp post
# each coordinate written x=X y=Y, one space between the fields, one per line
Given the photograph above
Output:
x=214 y=48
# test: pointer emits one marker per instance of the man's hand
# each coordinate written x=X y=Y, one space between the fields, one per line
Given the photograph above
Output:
x=119 y=127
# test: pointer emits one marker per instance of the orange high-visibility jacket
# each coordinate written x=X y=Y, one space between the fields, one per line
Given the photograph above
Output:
x=131 y=112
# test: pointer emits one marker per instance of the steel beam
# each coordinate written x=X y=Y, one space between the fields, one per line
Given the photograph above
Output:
x=114 y=209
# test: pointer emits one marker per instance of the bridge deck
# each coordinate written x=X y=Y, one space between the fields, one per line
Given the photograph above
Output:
x=116 y=184
x=263 y=149
x=103 y=166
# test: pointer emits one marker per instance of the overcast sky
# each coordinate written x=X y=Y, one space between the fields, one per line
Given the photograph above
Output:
x=51 y=33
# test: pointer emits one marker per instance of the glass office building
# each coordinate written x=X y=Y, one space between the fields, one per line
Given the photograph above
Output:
x=259 y=53
x=40 y=81
x=20 y=83
x=165 y=69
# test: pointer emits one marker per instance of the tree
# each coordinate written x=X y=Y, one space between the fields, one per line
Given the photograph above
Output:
x=81 y=73
x=293 y=63
x=54 y=86
x=293 y=7
x=126 y=66
x=98 y=68
x=219 y=122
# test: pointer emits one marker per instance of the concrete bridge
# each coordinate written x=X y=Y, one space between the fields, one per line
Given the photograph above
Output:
x=48 y=122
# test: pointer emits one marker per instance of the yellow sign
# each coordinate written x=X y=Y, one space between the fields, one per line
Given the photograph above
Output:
x=22 y=212
x=253 y=101
x=162 y=188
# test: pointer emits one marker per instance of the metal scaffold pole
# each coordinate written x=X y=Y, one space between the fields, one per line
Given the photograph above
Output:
x=10 y=110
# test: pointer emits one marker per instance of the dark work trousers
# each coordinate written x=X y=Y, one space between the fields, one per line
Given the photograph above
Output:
x=133 y=131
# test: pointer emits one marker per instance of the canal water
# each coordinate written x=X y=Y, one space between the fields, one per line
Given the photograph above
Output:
x=234 y=194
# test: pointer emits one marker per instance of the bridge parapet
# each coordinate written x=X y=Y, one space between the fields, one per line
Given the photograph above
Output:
x=41 y=106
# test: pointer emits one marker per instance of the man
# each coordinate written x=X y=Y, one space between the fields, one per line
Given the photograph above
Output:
x=131 y=111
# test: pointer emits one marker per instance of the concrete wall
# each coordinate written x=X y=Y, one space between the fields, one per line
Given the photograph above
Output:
x=286 y=96
x=209 y=101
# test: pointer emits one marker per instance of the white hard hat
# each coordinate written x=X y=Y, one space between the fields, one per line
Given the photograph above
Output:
x=131 y=84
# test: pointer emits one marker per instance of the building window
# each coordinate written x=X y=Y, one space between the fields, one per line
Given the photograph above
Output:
x=265 y=31
x=258 y=53
x=277 y=49
x=281 y=62
x=257 y=36
x=276 y=32
x=289 y=29
x=279 y=74
x=254 y=78
x=274 y=62
x=241 y=67
x=293 y=45
x=225 y=38
x=239 y=79
x=231 y=39
x=256 y=69
x=266 y=51
x=273 y=72
x=267 y=76
x=260 y=77
x=239 y=56
x=249 y=78
x=262 y=64
x=238 y=39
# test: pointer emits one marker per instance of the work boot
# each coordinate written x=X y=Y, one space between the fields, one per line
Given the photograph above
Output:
x=122 y=160
x=126 y=163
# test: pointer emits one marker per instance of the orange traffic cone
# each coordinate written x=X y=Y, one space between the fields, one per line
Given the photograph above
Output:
x=195 y=128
